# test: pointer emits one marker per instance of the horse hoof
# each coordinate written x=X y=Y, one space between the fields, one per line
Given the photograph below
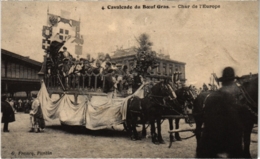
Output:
x=156 y=142
x=133 y=139
x=138 y=138
x=172 y=139
x=162 y=142
x=178 y=138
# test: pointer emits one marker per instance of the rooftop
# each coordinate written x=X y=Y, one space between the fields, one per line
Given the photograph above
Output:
x=120 y=53
x=22 y=58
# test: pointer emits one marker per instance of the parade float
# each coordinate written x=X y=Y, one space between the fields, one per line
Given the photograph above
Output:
x=77 y=89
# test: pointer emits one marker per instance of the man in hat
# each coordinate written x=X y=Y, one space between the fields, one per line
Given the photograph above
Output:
x=66 y=54
x=137 y=81
x=7 y=113
x=108 y=68
x=228 y=81
x=109 y=78
x=37 y=119
x=65 y=71
x=205 y=87
x=229 y=86
x=114 y=66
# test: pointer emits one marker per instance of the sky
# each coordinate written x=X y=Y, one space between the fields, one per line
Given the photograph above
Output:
x=206 y=39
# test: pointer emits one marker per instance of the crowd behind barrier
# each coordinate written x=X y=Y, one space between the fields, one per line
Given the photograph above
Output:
x=101 y=75
x=20 y=105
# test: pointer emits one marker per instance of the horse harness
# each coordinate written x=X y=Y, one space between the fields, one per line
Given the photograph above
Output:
x=154 y=98
x=243 y=94
x=249 y=101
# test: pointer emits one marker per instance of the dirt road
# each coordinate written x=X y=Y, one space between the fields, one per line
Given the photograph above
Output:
x=78 y=142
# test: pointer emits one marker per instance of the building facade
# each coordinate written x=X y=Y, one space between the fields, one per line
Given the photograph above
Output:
x=19 y=74
x=167 y=67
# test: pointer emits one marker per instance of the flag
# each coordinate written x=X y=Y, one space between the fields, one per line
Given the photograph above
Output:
x=53 y=20
x=65 y=21
x=65 y=14
x=76 y=24
x=63 y=34
x=78 y=50
x=46 y=32
x=215 y=78
x=56 y=44
x=78 y=40
x=46 y=44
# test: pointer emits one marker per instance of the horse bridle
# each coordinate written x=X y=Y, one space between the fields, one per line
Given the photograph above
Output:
x=164 y=98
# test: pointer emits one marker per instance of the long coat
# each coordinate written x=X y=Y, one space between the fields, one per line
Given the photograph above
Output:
x=8 y=112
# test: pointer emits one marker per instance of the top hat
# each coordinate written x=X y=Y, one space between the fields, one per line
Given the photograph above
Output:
x=228 y=74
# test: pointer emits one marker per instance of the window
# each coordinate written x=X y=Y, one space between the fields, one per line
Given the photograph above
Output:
x=17 y=70
x=159 y=68
x=9 y=71
x=36 y=74
x=13 y=68
x=29 y=73
x=176 y=68
x=21 y=71
x=3 y=69
x=164 y=69
x=25 y=72
x=154 y=70
x=170 y=69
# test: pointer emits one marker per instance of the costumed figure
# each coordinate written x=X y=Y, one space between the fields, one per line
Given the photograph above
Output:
x=65 y=70
x=36 y=115
x=109 y=80
x=138 y=80
x=103 y=61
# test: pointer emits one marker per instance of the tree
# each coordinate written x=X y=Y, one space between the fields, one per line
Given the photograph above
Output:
x=146 y=57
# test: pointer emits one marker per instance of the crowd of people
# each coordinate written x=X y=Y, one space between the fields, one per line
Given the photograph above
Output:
x=9 y=107
x=76 y=72
x=20 y=105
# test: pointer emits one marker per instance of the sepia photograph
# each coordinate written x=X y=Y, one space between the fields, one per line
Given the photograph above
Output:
x=129 y=79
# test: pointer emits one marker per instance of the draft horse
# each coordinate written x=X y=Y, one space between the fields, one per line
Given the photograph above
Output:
x=159 y=100
x=228 y=122
x=184 y=100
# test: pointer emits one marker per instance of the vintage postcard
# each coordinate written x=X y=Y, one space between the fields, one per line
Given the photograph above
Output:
x=129 y=79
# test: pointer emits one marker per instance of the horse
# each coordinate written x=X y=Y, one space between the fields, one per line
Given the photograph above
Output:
x=150 y=109
x=228 y=122
x=185 y=99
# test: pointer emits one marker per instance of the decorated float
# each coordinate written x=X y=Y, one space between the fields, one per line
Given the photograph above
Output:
x=80 y=90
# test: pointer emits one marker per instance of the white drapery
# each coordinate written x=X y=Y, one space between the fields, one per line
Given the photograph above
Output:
x=102 y=112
